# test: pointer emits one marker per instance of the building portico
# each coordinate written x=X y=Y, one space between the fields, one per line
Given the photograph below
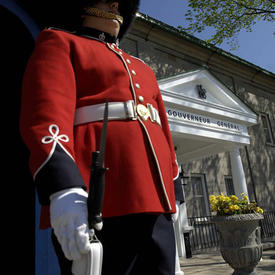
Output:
x=206 y=118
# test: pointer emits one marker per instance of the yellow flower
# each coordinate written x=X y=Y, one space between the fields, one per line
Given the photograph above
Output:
x=259 y=210
x=214 y=202
x=214 y=208
x=232 y=205
x=245 y=198
x=221 y=197
x=234 y=198
x=212 y=198
x=227 y=199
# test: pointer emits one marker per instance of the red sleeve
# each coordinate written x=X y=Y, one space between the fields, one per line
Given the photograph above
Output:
x=47 y=114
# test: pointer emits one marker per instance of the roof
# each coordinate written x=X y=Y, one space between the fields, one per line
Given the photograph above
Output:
x=202 y=43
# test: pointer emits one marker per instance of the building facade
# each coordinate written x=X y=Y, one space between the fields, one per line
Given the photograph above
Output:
x=231 y=85
x=221 y=111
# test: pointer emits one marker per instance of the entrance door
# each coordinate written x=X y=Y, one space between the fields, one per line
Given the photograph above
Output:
x=196 y=192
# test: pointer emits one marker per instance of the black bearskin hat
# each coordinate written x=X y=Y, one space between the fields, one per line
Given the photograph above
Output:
x=128 y=10
x=67 y=14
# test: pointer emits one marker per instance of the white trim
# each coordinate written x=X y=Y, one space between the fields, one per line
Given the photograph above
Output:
x=207 y=108
x=192 y=129
x=55 y=139
x=112 y=48
x=178 y=170
x=180 y=91
x=138 y=59
x=157 y=163
x=120 y=54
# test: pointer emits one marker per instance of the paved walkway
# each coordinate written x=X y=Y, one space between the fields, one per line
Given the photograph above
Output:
x=213 y=264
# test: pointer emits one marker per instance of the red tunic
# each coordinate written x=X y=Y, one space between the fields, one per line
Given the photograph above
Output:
x=67 y=71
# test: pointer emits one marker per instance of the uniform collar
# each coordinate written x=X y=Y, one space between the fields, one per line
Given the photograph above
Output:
x=97 y=34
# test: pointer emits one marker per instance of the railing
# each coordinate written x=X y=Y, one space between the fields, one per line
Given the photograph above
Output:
x=204 y=235
x=268 y=225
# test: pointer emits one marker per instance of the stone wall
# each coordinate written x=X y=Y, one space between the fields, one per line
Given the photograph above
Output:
x=260 y=154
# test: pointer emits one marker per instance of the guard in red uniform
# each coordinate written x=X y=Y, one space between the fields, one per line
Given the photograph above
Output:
x=67 y=81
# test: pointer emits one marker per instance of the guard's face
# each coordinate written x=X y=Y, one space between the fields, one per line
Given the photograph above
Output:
x=108 y=6
x=111 y=25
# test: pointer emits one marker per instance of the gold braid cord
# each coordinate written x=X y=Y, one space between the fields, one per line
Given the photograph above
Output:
x=101 y=13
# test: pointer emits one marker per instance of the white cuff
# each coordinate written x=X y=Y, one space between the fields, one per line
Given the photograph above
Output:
x=68 y=191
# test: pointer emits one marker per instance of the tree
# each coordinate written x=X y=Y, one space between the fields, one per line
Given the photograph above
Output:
x=227 y=17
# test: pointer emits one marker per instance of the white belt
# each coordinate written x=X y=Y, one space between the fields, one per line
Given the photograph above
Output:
x=116 y=111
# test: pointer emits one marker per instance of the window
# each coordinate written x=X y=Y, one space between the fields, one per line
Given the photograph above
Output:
x=229 y=185
x=269 y=138
x=197 y=196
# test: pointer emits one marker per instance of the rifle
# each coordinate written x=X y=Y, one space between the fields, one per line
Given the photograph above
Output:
x=91 y=263
x=97 y=179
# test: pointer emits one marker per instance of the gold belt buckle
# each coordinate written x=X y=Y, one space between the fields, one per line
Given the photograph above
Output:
x=143 y=111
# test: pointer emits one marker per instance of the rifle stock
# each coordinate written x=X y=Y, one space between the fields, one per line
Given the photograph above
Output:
x=96 y=191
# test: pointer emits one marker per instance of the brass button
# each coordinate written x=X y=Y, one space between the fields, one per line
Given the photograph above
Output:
x=133 y=72
x=141 y=98
x=137 y=85
x=128 y=61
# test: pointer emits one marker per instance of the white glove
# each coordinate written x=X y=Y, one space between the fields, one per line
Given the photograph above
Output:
x=175 y=216
x=68 y=215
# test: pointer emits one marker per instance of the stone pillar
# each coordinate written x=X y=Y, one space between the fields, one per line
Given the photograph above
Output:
x=238 y=172
x=179 y=240
x=178 y=271
x=179 y=235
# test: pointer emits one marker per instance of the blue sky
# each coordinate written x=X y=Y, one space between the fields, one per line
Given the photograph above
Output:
x=257 y=47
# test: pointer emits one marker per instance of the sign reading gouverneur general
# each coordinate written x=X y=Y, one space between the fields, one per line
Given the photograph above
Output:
x=204 y=120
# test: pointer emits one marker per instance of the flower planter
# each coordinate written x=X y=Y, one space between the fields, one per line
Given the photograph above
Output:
x=240 y=241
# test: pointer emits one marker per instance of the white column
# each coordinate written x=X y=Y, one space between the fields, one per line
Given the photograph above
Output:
x=177 y=230
x=238 y=172
x=179 y=235
x=178 y=271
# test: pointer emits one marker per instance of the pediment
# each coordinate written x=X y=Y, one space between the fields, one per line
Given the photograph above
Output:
x=201 y=92
x=205 y=117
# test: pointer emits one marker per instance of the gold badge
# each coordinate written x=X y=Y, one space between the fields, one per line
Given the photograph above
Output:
x=143 y=111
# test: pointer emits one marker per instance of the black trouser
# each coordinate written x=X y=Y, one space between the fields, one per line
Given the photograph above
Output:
x=138 y=244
